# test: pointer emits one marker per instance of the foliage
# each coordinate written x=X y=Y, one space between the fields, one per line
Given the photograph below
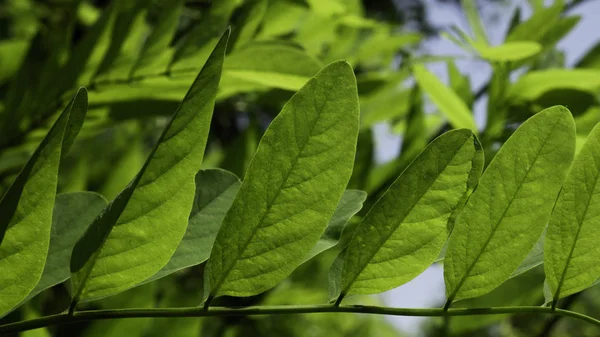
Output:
x=173 y=159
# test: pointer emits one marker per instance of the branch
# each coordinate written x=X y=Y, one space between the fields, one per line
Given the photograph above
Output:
x=88 y=315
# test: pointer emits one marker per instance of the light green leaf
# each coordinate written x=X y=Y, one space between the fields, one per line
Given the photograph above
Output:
x=510 y=207
x=291 y=188
x=193 y=49
x=460 y=83
x=571 y=249
x=510 y=51
x=130 y=28
x=536 y=83
x=350 y=204
x=287 y=68
x=137 y=233
x=244 y=31
x=155 y=54
x=73 y=212
x=445 y=99
x=537 y=26
x=470 y=7
x=26 y=208
x=405 y=230
x=215 y=191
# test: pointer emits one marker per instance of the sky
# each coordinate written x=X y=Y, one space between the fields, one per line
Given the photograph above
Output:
x=427 y=290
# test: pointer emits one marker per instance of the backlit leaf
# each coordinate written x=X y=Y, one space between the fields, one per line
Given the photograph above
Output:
x=510 y=207
x=445 y=99
x=571 y=250
x=135 y=236
x=26 y=208
x=291 y=188
x=405 y=230
x=511 y=51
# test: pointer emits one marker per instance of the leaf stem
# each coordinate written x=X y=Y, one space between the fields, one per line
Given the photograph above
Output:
x=88 y=315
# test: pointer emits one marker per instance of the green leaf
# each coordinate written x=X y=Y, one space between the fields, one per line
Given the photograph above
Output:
x=288 y=67
x=73 y=212
x=510 y=51
x=405 y=230
x=253 y=13
x=537 y=26
x=215 y=191
x=155 y=54
x=26 y=208
x=350 y=204
x=291 y=187
x=571 y=249
x=508 y=211
x=130 y=28
x=536 y=83
x=470 y=7
x=193 y=49
x=445 y=99
x=460 y=83
x=137 y=233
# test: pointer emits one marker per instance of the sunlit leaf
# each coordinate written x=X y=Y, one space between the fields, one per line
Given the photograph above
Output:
x=510 y=207
x=26 y=208
x=405 y=230
x=291 y=187
x=571 y=249
x=445 y=99
x=510 y=51
x=534 y=84
x=134 y=237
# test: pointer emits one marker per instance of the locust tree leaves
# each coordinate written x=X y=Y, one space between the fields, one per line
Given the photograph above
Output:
x=26 y=208
x=507 y=212
x=446 y=100
x=571 y=248
x=405 y=230
x=139 y=231
x=291 y=187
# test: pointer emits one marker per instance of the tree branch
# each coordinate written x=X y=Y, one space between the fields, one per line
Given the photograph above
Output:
x=280 y=310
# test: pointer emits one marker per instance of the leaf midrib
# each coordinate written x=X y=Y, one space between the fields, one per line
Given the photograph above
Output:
x=495 y=229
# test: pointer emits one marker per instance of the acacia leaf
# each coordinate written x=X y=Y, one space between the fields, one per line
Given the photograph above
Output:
x=405 y=230
x=26 y=208
x=135 y=236
x=291 y=188
x=507 y=212
x=571 y=248
x=454 y=108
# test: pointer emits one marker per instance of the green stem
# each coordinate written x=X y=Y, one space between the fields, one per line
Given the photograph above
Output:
x=279 y=310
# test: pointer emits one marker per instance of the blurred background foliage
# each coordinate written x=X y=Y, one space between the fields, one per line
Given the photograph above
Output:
x=138 y=57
